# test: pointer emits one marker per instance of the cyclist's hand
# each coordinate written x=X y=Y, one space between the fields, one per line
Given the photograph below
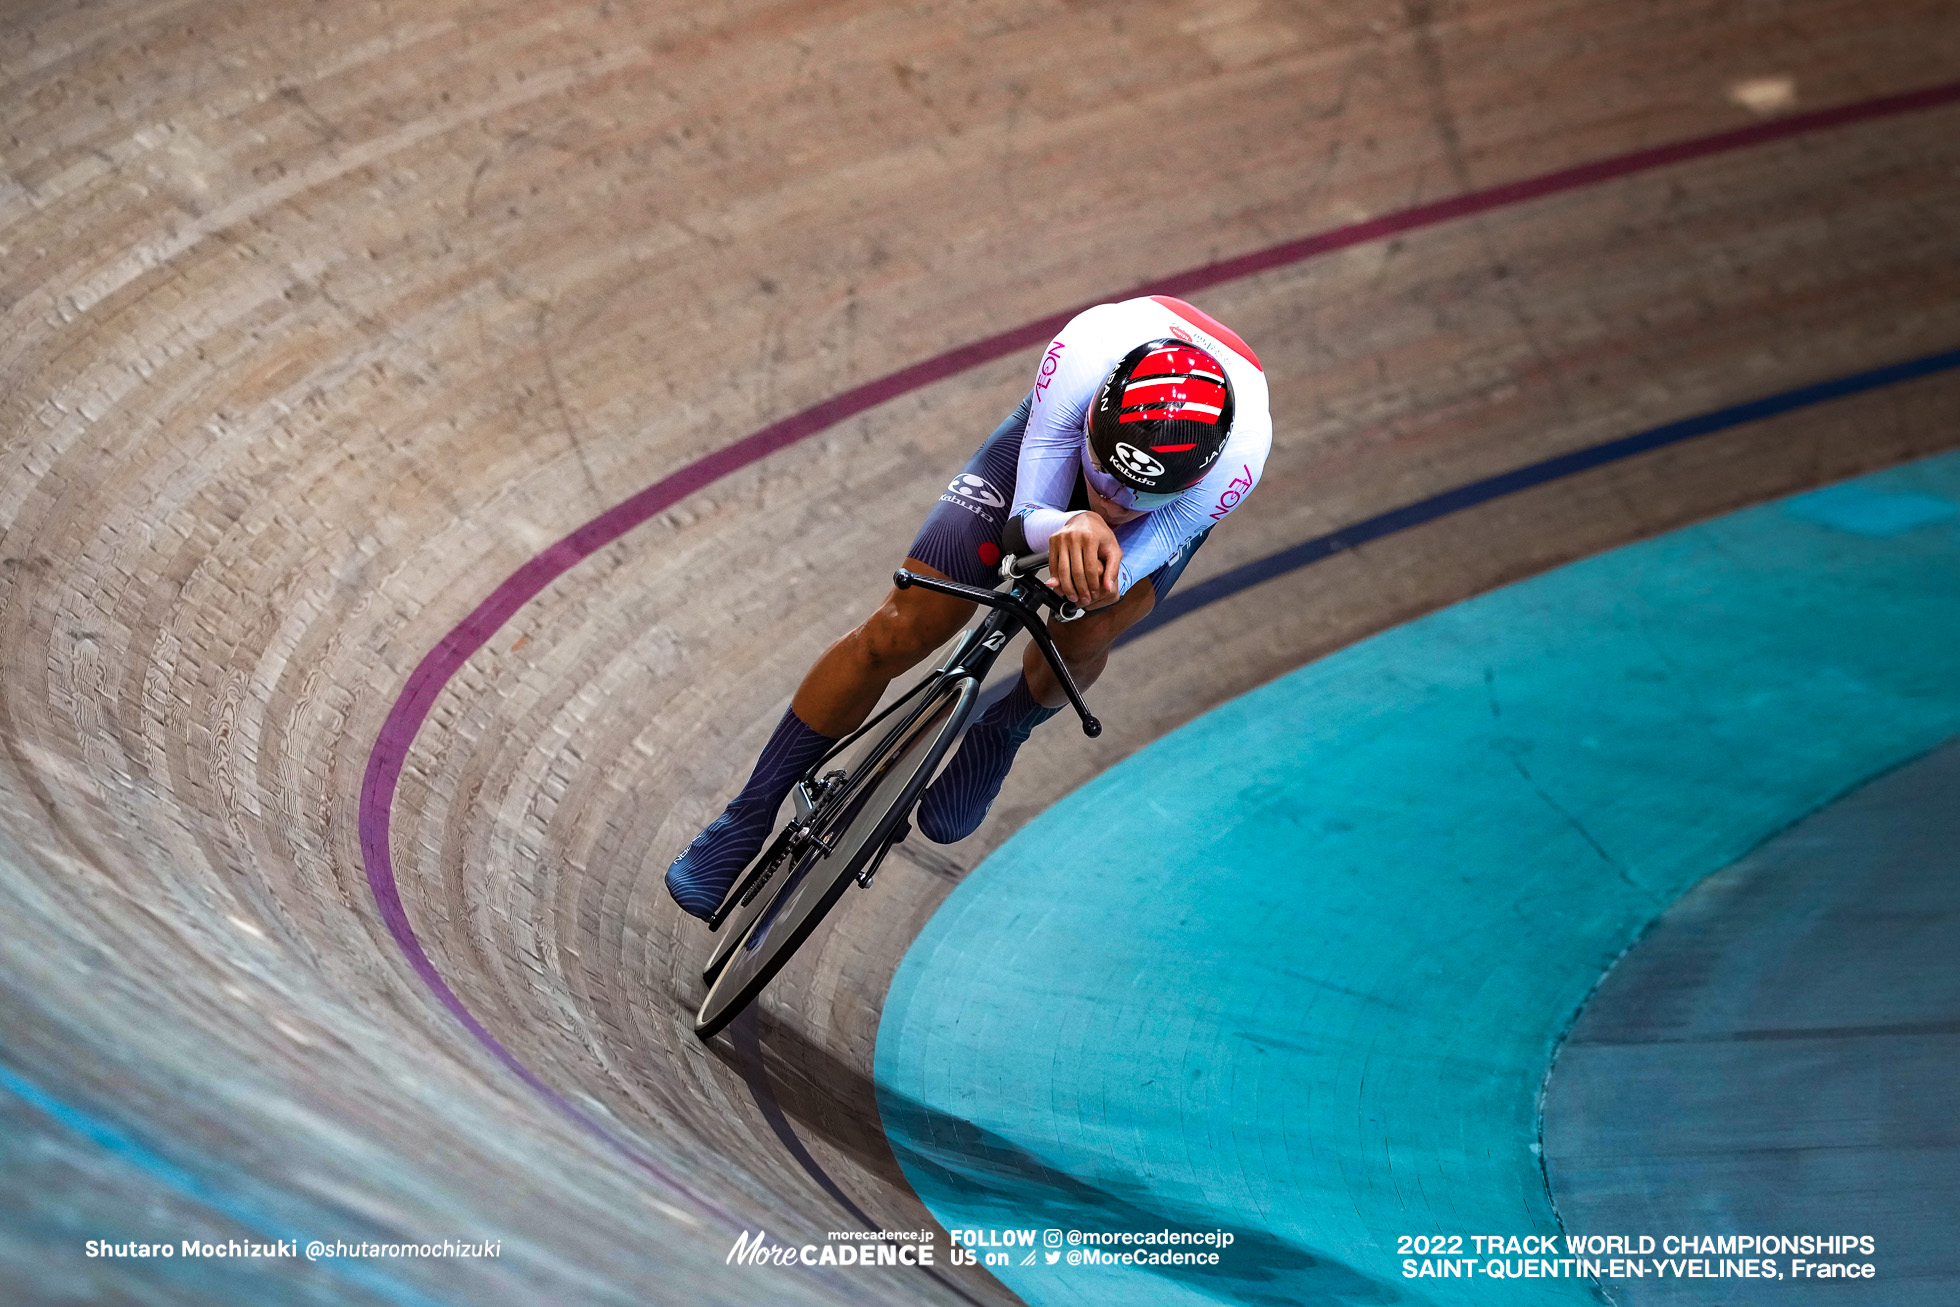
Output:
x=1083 y=558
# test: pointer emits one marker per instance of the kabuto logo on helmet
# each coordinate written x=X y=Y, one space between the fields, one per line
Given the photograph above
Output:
x=1162 y=417
x=1137 y=463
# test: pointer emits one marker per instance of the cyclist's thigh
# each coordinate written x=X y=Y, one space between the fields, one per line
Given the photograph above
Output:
x=911 y=623
x=1091 y=634
x=960 y=538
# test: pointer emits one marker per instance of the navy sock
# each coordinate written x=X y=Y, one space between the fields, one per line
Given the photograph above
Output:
x=957 y=801
x=699 y=878
x=1016 y=712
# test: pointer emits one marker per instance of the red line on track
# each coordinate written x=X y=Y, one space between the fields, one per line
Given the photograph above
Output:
x=418 y=696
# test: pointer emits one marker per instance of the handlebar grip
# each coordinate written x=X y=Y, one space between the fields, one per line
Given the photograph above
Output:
x=1018 y=566
x=1091 y=726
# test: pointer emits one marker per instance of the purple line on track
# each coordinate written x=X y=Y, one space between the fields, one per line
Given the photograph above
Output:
x=418 y=696
x=377 y=798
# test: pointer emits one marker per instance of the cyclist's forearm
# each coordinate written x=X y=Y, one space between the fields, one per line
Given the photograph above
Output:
x=1038 y=525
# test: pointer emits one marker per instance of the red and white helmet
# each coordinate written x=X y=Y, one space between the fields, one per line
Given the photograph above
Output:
x=1160 y=421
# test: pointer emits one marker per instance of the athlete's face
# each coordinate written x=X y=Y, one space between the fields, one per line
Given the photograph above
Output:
x=1109 y=511
x=1113 y=501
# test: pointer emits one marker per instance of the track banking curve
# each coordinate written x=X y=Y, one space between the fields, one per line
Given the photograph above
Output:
x=348 y=714
x=441 y=663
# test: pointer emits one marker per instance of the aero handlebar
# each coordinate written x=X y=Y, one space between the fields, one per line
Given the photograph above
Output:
x=1012 y=568
x=1025 y=614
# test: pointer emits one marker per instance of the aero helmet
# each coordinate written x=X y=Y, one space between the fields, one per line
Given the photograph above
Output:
x=1160 y=420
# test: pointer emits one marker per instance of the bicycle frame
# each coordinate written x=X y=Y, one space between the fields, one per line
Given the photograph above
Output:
x=1018 y=609
x=1015 y=609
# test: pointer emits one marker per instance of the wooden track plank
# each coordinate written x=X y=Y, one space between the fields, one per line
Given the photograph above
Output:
x=316 y=322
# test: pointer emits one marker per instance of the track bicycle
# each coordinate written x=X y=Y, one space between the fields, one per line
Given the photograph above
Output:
x=847 y=817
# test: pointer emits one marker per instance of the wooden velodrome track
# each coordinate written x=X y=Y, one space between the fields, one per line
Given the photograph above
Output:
x=320 y=320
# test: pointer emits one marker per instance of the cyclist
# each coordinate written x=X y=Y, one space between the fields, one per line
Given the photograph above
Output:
x=1146 y=425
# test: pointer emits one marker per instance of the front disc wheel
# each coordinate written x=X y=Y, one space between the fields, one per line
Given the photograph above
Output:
x=885 y=784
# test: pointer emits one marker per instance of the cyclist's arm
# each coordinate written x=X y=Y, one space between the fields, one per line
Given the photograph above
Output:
x=1160 y=535
x=1051 y=450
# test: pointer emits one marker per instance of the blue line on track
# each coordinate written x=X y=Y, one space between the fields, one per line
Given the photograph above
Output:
x=1244 y=577
x=118 y=1143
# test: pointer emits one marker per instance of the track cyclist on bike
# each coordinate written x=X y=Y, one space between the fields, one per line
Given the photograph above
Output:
x=1147 y=424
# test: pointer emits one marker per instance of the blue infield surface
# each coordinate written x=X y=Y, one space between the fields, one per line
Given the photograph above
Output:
x=1296 y=971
